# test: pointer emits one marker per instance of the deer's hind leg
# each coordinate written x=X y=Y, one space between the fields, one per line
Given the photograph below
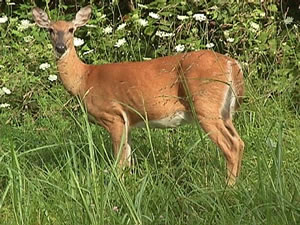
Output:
x=224 y=135
x=214 y=108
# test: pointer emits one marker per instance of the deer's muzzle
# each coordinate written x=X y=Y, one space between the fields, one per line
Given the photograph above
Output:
x=60 y=48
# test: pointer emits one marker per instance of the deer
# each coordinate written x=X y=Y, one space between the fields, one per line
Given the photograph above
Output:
x=202 y=87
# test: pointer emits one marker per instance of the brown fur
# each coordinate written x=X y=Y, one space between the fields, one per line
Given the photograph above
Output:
x=121 y=95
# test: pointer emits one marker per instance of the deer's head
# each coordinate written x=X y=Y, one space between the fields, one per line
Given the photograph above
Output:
x=61 y=32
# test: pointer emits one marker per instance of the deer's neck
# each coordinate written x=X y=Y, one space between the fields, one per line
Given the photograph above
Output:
x=73 y=72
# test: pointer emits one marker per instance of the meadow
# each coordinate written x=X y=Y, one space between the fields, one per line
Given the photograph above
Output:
x=56 y=168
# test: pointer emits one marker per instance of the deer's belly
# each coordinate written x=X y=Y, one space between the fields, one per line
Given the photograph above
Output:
x=172 y=121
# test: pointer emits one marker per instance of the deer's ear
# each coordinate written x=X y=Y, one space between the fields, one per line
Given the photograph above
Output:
x=40 y=17
x=82 y=16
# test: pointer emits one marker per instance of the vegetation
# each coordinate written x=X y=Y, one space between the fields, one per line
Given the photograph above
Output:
x=56 y=168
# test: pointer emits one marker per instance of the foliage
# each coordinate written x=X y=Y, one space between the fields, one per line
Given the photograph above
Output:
x=56 y=168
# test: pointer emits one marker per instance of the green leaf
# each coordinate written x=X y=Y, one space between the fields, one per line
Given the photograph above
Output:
x=273 y=8
x=149 y=30
x=263 y=37
x=165 y=28
x=273 y=46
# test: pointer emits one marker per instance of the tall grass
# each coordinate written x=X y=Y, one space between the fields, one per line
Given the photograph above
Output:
x=57 y=168
x=82 y=184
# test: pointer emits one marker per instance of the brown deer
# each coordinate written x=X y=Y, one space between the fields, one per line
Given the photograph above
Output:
x=202 y=86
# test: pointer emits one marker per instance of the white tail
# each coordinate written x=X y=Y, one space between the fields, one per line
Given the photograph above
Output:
x=203 y=85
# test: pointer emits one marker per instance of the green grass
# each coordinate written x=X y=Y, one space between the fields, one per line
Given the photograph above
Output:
x=56 y=168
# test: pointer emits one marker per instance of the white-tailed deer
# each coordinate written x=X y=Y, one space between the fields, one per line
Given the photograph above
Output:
x=202 y=86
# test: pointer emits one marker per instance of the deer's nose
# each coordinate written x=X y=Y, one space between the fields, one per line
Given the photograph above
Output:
x=60 y=48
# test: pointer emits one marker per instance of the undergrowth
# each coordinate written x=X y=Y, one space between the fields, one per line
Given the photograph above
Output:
x=56 y=168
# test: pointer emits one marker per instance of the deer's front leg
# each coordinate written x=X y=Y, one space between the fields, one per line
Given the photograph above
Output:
x=119 y=133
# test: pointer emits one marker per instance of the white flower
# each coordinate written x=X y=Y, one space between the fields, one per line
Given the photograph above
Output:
x=115 y=208
x=107 y=30
x=179 y=48
x=78 y=41
x=143 y=22
x=121 y=26
x=4 y=105
x=255 y=26
x=3 y=19
x=226 y=33
x=199 y=17
x=52 y=77
x=24 y=25
x=154 y=15
x=262 y=14
x=230 y=40
x=28 y=38
x=182 y=17
x=6 y=90
x=44 y=66
x=163 y=34
x=120 y=42
x=288 y=20
x=210 y=45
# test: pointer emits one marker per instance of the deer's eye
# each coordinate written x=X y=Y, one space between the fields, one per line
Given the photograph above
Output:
x=71 y=30
x=50 y=30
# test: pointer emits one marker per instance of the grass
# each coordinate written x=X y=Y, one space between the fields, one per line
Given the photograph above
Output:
x=56 y=168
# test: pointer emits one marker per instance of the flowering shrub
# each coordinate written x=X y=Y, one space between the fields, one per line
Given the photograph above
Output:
x=160 y=28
